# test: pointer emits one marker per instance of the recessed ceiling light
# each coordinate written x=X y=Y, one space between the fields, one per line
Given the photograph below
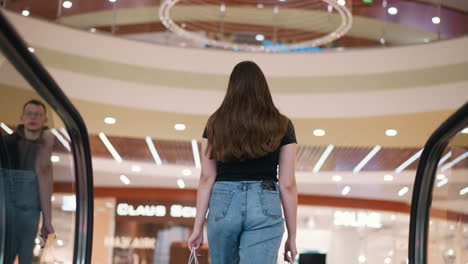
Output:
x=465 y=130
x=260 y=37
x=337 y=178
x=125 y=179
x=442 y=182
x=345 y=190
x=441 y=176
x=259 y=5
x=382 y=41
x=60 y=242
x=403 y=191
x=388 y=260
x=67 y=4
x=186 y=172
x=282 y=0
x=25 y=12
x=181 y=183
x=31 y=49
x=463 y=191
x=392 y=10
x=341 y=2
x=362 y=259
x=222 y=8
x=388 y=177
x=319 y=132
x=393 y=217
x=436 y=20
x=136 y=168
x=179 y=127
x=391 y=132
x=110 y=120
x=112 y=1
x=450 y=252
x=92 y=30
x=54 y=158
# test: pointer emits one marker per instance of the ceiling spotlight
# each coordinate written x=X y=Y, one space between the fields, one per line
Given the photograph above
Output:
x=112 y=1
x=25 y=12
x=260 y=6
x=136 y=168
x=403 y=191
x=260 y=37
x=319 y=132
x=181 y=183
x=362 y=259
x=179 y=127
x=337 y=178
x=382 y=41
x=31 y=49
x=92 y=30
x=341 y=2
x=110 y=120
x=391 y=132
x=54 y=158
x=392 y=10
x=345 y=190
x=186 y=172
x=388 y=260
x=67 y=4
x=440 y=176
x=465 y=130
x=60 y=242
x=388 y=177
x=222 y=8
x=436 y=20
x=282 y=0
x=125 y=179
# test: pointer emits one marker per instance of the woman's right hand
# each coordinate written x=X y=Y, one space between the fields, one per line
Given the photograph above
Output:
x=196 y=240
x=290 y=247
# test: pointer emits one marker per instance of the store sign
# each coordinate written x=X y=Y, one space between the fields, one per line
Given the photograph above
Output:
x=176 y=210
x=130 y=242
x=360 y=219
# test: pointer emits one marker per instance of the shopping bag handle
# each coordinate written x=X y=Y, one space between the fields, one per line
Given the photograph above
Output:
x=193 y=257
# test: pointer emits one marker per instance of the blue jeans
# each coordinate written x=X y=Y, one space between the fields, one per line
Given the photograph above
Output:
x=21 y=193
x=245 y=223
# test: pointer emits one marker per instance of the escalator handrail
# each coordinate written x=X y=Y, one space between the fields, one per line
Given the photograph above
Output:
x=15 y=50
x=424 y=182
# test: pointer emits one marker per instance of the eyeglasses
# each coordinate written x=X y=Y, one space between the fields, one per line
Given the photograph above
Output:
x=35 y=114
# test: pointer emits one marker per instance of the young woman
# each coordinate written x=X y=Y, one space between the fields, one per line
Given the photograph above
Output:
x=243 y=143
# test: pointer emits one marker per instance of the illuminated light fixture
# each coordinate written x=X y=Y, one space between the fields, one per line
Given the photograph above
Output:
x=337 y=178
x=388 y=177
x=92 y=30
x=186 y=172
x=124 y=179
x=463 y=191
x=392 y=10
x=6 y=128
x=222 y=8
x=442 y=182
x=436 y=20
x=390 y=253
x=282 y=0
x=465 y=130
x=391 y=132
x=260 y=37
x=60 y=242
x=341 y=2
x=453 y=162
x=319 y=132
x=276 y=10
x=181 y=183
x=110 y=120
x=405 y=164
x=322 y=159
x=440 y=177
x=388 y=260
x=382 y=41
x=54 y=158
x=384 y=3
x=52 y=198
x=196 y=154
x=153 y=151
x=444 y=158
x=345 y=190
x=179 y=127
x=367 y=158
x=452 y=227
x=61 y=138
x=362 y=259
x=67 y=4
x=109 y=147
x=65 y=133
x=136 y=168
x=25 y=12
x=450 y=252
x=31 y=49
x=367 y=1
x=112 y=1
x=260 y=5
x=393 y=217
x=403 y=191
x=330 y=8
x=427 y=40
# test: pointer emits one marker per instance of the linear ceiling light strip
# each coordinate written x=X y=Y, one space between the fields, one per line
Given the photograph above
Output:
x=367 y=158
x=110 y=148
x=453 y=162
x=153 y=151
x=405 y=164
x=61 y=139
x=196 y=154
x=322 y=159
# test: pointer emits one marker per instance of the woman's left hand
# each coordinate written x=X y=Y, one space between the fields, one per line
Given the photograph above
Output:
x=196 y=240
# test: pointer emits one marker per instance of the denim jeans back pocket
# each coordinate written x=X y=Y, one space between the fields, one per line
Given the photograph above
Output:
x=219 y=203
x=271 y=203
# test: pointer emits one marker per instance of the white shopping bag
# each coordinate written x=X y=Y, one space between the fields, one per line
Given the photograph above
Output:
x=193 y=257
x=48 y=254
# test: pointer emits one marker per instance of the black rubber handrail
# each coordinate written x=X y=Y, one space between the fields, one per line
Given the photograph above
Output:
x=15 y=50
x=424 y=183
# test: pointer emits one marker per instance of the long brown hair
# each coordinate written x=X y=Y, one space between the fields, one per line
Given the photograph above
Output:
x=247 y=125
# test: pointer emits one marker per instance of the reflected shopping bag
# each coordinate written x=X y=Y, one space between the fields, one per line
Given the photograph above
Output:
x=193 y=257
x=48 y=254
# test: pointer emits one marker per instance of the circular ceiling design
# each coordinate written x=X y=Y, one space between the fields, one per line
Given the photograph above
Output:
x=261 y=34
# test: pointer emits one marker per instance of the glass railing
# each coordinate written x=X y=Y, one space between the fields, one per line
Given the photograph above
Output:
x=274 y=26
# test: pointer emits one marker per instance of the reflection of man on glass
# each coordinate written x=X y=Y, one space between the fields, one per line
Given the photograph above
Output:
x=30 y=182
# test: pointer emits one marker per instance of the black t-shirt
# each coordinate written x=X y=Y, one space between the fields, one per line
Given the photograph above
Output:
x=264 y=168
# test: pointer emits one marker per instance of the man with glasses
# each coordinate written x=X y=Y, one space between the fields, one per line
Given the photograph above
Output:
x=28 y=183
